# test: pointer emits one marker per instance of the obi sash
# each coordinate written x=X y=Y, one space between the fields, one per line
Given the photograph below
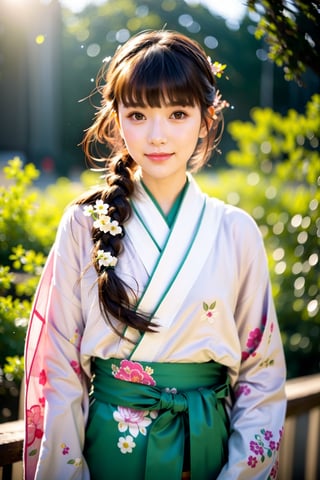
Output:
x=189 y=421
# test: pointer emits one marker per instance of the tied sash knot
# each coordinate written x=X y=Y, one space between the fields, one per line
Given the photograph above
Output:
x=196 y=413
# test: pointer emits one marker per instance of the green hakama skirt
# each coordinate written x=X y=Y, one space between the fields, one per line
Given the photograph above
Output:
x=174 y=421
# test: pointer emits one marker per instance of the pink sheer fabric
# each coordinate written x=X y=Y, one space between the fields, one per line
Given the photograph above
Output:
x=34 y=374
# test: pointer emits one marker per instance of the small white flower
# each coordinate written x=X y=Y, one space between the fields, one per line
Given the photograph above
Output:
x=101 y=208
x=105 y=259
x=103 y=223
x=77 y=462
x=126 y=444
x=115 y=228
x=88 y=210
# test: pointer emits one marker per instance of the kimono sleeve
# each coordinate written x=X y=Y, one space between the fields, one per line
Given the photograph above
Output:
x=258 y=411
x=56 y=386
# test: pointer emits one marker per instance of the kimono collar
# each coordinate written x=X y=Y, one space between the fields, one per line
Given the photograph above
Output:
x=172 y=257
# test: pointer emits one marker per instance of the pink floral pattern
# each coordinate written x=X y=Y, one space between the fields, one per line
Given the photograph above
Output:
x=242 y=390
x=42 y=377
x=133 y=372
x=274 y=470
x=254 y=340
x=76 y=339
x=208 y=312
x=65 y=450
x=136 y=421
x=76 y=366
x=34 y=424
x=264 y=446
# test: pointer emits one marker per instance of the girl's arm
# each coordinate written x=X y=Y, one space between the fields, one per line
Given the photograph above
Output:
x=259 y=406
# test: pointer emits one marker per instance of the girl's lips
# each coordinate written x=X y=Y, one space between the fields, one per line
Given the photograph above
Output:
x=158 y=157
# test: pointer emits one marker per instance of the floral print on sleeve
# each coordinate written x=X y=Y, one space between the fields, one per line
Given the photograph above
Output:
x=65 y=450
x=34 y=425
x=76 y=339
x=242 y=390
x=76 y=367
x=34 y=420
x=253 y=341
x=264 y=445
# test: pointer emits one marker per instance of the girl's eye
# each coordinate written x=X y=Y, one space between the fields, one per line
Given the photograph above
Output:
x=178 y=115
x=137 y=116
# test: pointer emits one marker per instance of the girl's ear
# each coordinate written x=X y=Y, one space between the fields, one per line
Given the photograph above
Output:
x=207 y=123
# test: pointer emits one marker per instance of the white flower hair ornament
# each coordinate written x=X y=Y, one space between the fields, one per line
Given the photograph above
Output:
x=219 y=104
x=103 y=222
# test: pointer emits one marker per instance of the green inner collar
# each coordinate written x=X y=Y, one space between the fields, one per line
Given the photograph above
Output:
x=171 y=215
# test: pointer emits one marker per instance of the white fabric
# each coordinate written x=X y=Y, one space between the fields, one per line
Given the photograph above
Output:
x=224 y=312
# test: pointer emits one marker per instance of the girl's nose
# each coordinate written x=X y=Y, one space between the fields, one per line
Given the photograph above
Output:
x=157 y=134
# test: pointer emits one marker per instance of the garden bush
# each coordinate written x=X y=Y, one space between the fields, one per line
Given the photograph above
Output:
x=29 y=218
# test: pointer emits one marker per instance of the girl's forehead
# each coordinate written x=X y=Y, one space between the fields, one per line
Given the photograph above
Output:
x=162 y=105
x=159 y=79
x=156 y=97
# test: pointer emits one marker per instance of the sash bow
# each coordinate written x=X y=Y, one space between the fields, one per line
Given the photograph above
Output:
x=197 y=412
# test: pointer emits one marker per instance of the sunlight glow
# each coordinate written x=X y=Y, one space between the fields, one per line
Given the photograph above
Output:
x=232 y=10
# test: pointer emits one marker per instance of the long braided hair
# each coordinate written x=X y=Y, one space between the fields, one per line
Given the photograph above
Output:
x=152 y=68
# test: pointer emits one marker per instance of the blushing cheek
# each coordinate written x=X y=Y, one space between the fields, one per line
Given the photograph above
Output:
x=128 y=136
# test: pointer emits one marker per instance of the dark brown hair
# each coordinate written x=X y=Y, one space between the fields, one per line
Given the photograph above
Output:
x=151 y=69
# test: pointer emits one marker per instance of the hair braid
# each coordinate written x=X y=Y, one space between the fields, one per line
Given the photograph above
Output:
x=113 y=292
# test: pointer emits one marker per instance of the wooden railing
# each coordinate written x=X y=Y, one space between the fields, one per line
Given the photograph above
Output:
x=299 y=453
x=11 y=445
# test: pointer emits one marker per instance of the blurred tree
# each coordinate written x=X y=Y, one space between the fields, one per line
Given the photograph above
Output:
x=291 y=29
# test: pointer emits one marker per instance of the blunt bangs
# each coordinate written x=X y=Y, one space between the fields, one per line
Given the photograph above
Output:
x=158 y=78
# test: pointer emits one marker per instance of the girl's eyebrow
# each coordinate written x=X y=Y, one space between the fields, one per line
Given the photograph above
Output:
x=166 y=105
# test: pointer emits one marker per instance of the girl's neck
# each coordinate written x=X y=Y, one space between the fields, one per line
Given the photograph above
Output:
x=164 y=192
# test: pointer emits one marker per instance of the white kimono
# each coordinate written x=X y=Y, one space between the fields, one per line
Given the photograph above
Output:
x=205 y=280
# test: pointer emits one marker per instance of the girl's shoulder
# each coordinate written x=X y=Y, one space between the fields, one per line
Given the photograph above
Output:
x=241 y=224
x=74 y=219
x=238 y=215
x=75 y=211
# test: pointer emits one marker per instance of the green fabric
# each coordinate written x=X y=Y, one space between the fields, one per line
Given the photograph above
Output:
x=171 y=215
x=191 y=426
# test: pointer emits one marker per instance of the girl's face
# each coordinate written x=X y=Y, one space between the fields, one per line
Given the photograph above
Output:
x=161 y=140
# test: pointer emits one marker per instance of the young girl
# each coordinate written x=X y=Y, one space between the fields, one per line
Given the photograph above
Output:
x=153 y=350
